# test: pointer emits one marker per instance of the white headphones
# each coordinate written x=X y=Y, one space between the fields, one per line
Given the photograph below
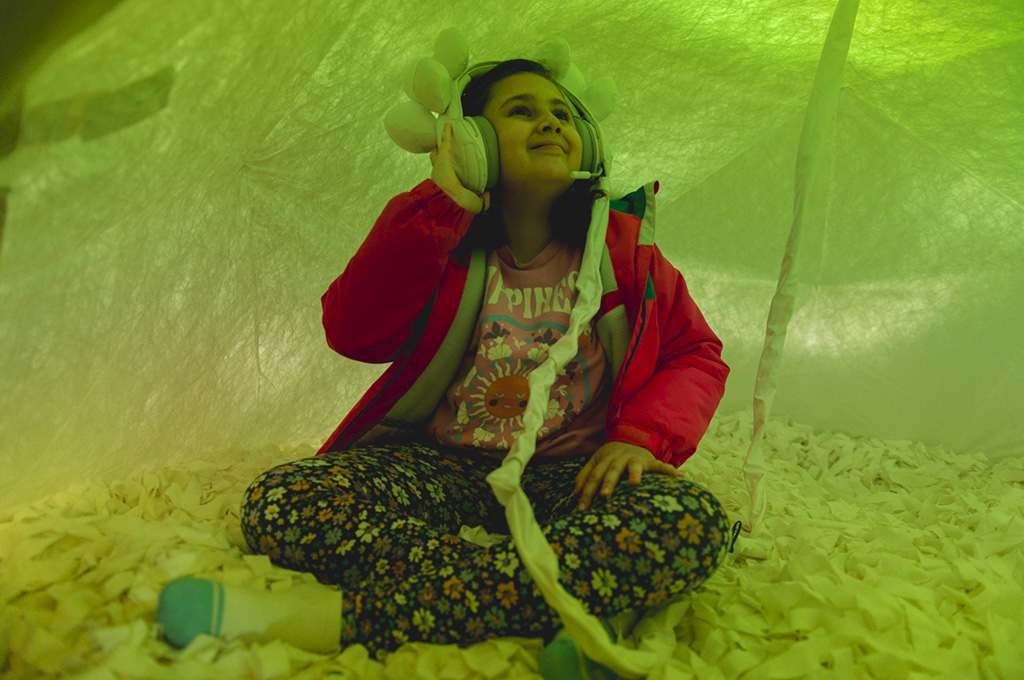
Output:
x=475 y=143
x=435 y=85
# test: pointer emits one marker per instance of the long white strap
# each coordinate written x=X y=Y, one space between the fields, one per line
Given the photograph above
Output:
x=534 y=551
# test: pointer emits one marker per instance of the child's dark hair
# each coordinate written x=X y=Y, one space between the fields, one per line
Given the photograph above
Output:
x=571 y=213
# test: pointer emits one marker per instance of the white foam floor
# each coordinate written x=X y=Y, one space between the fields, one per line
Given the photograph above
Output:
x=875 y=560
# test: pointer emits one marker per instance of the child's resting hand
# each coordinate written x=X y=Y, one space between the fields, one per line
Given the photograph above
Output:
x=444 y=176
x=607 y=465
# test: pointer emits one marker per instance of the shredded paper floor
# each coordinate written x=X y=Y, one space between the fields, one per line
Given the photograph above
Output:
x=875 y=560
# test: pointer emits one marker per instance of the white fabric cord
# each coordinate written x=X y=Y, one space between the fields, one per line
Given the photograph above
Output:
x=817 y=131
x=534 y=550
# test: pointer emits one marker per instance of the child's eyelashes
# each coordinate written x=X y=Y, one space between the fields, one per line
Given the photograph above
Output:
x=561 y=113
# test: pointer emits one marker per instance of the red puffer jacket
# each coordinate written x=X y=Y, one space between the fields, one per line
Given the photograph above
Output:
x=410 y=296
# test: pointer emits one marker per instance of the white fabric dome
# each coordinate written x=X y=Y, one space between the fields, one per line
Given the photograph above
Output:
x=181 y=181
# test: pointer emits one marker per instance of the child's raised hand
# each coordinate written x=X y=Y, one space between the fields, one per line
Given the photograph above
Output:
x=444 y=176
x=606 y=466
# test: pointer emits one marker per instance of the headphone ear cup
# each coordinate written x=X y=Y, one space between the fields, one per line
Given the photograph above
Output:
x=471 y=154
x=476 y=156
x=489 y=138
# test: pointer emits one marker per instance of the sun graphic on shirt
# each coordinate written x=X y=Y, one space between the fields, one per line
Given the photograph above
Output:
x=505 y=391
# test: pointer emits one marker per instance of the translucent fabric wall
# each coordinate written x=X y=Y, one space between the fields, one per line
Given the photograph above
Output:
x=189 y=177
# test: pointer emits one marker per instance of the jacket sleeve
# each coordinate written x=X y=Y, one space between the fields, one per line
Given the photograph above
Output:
x=369 y=310
x=671 y=412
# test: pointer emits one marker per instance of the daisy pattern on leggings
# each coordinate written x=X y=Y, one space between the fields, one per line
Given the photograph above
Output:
x=383 y=522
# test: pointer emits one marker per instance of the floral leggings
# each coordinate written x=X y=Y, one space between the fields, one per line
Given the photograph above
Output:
x=382 y=522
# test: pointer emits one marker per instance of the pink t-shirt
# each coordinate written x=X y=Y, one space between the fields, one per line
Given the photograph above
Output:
x=525 y=310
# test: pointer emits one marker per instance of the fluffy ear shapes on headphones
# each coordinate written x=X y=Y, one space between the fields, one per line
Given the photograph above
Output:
x=411 y=126
x=432 y=85
x=452 y=51
x=428 y=82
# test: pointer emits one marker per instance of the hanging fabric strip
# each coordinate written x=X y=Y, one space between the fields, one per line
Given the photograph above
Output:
x=534 y=550
x=819 y=122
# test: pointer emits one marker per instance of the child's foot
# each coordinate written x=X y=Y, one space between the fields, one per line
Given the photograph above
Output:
x=562 y=659
x=307 y=616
